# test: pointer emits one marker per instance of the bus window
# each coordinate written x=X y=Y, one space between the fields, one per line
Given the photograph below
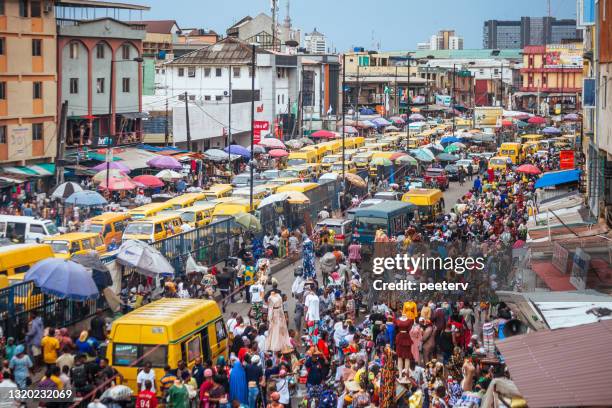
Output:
x=124 y=354
x=369 y=225
x=194 y=348
x=157 y=358
x=220 y=330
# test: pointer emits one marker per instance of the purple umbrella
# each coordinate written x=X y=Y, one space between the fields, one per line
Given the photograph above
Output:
x=113 y=165
x=416 y=117
x=165 y=162
x=551 y=131
x=381 y=122
x=239 y=150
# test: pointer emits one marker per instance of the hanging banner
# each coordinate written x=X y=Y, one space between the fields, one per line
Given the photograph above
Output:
x=259 y=126
x=566 y=160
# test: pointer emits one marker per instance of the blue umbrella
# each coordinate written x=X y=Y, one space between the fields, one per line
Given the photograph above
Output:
x=88 y=198
x=239 y=150
x=551 y=131
x=64 y=279
x=449 y=139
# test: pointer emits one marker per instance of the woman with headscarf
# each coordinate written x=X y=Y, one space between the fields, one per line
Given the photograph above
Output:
x=21 y=365
x=238 y=384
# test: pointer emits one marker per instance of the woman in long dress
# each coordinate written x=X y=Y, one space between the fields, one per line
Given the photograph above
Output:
x=416 y=335
x=278 y=335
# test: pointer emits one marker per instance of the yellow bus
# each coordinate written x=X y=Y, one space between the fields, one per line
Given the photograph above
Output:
x=153 y=229
x=229 y=209
x=318 y=149
x=18 y=258
x=217 y=191
x=328 y=160
x=428 y=201
x=148 y=210
x=163 y=333
x=362 y=160
x=259 y=192
x=185 y=200
x=354 y=142
x=65 y=246
x=302 y=157
x=499 y=163
x=332 y=147
x=511 y=150
x=25 y=299
x=349 y=167
x=531 y=137
x=109 y=225
x=197 y=215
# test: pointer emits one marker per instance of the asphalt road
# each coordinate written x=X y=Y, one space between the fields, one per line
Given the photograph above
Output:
x=285 y=276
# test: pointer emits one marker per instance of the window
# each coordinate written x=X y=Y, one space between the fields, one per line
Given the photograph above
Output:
x=181 y=97
x=207 y=97
x=36 y=47
x=236 y=72
x=194 y=348
x=217 y=72
x=125 y=52
x=278 y=99
x=250 y=72
x=35 y=8
x=191 y=72
x=37 y=132
x=192 y=97
x=219 y=98
x=125 y=84
x=100 y=85
x=3 y=134
x=181 y=72
x=220 y=330
x=604 y=102
x=23 y=8
x=157 y=358
x=207 y=72
x=37 y=90
x=74 y=50
x=100 y=51
x=2 y=45
x=1 y=7
x=74 y=85
x=2 y=90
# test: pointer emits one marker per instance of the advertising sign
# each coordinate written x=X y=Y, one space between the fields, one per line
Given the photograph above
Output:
x=259 y=126
x=580 y=267
x=566 y=160
x=560 y=257
x=488 y=116
x=18 y=143
x=563 y=56
x=444 y=100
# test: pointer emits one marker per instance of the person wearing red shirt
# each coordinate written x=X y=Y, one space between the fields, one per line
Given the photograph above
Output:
x=146 y=398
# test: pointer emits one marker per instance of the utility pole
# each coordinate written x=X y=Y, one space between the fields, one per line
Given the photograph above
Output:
x=453 y=99
x=396 y=93
x=343 y=114
x=166 y=131
x=408 y=89
x=273 y=4
x=252 y=124
x=61 y=145
x=302 y=103
x=188 y=129
x=229 y=123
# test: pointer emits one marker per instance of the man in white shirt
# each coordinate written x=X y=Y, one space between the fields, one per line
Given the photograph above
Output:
x=323 y=214
x=146 y=374
x=311 y=303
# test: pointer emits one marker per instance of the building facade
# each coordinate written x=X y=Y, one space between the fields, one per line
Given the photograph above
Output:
x=315 y=42
x=28 y=82
x=95 y=56
x=504 y=34
x=443 y=40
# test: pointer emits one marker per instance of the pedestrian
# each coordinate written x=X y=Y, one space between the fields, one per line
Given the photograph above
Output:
x=21 y=366
x=50 y=347
x=146 y=397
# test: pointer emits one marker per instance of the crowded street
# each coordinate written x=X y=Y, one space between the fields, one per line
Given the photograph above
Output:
x=260 y=216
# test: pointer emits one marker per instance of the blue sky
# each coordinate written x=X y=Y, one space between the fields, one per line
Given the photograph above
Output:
x=395 y=24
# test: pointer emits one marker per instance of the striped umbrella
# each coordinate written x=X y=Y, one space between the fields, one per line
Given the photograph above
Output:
x=65 y=190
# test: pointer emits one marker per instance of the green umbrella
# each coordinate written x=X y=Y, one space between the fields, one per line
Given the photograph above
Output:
x=381 y=161
x=521 y=124
x=407 y=160
x=451 y=149
x=248 y=221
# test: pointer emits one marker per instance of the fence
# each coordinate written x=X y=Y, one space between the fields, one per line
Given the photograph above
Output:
x=19 y=302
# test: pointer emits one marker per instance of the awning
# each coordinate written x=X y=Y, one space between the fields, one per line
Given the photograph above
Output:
x=554 y=178
x=135 y=158
x=135 y=115
x=35 y=170
x=552 y=277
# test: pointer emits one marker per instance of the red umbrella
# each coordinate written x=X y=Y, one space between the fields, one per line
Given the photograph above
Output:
x=116 y=184
x=537 y=120
x=278 y=153
x=149 y=181
x=507 y=123
x=323 y=134
x=528 y=169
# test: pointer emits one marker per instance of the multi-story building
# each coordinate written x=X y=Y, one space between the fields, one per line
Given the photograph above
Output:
x=100 y=75
x=315 y=42
x=503 y=34
x=28 y=82
x=551 y=78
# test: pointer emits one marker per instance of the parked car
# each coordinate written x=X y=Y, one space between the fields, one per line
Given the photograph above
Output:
x=343 y=230
x=452 y=171
x=465 y=163
x=436 y=177
x=244 y=180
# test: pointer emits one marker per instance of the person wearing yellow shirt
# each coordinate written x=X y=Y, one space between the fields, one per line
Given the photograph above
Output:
x=50 y=345
x=54 y=375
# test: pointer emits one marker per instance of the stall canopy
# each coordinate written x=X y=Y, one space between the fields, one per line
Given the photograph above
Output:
x=555 y=178
x=35 y=170
x=544 y=365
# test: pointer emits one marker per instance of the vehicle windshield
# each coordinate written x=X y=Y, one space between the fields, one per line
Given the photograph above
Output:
x=270 y=174
x=498 y=162
x=188 y=216
x=51 y=228
x=88 y=227
x=139 y=228
x=296 y=162
x=329 y=159
x=370 y=224
x=289 y=173
x=338 y=166
x=361 y=160
x=59 y=247
x=241 y=179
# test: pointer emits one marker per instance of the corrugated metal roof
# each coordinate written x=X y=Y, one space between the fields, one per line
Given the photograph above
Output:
x=227 y=51
x=562 y=368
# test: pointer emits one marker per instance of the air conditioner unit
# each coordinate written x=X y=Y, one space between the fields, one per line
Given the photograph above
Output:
x=225 y=93
x=48 y=7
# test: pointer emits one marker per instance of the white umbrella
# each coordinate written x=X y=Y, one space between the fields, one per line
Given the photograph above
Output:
x=329 y=176
x=144 y=258
x=169 y=175
x=274 y=198
x=66 y=189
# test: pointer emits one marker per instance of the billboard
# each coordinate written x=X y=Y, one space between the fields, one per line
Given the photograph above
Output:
x=585 y=13
x=563 y=56
x=444 y=100
x=488 y=116
x=566 y=160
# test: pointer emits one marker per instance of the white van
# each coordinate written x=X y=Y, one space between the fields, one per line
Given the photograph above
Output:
x=20 y=229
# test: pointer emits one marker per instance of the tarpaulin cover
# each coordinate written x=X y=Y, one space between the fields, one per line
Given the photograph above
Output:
x=557 y=177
